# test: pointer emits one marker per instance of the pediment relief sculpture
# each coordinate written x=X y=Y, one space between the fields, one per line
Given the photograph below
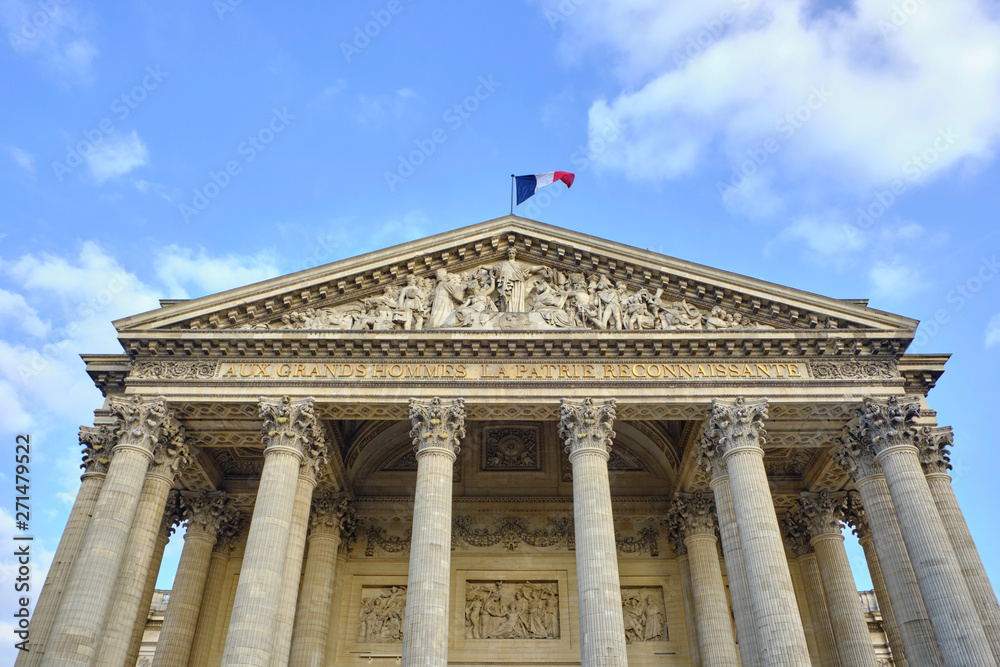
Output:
x=513 y=295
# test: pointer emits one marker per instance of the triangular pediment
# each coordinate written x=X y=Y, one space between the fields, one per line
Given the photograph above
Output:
x=514 y=274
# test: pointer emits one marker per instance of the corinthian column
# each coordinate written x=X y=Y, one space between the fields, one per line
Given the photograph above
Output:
x=437 y=428
x=291 y=435
x=797 y=541
x=168 y=455
x=76 y=631
x=746 y=633
x=285 y=618
x=207 y=513
x=934 y=444
x=920 y=647
x=586 y=429
x=97 y=443
x=822 y=514
x=172 y=516
x=331 y=520
x=695 y=515
x=736 y=429
x=887 y=428
x=215 y=583
x=855 y=515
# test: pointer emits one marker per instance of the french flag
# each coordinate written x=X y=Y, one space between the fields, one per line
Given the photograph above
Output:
x=529 y=185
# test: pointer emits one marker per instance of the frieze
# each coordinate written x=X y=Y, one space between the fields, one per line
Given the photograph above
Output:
x=379 y=541
x=512 y=610
x=510 y=447
x=380 y=620
x=644 y=614
x=174 y=370
x=853 y=370
x=511 y=532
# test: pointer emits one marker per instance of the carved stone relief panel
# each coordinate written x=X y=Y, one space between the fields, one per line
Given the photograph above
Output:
x=510 y=447
x=644 y=613
x=511 y=610
x=380 y=620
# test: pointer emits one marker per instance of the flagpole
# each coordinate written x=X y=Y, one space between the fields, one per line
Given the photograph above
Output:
x=512 y=194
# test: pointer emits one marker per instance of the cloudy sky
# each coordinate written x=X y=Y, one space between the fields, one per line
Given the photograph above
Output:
x=175 y=149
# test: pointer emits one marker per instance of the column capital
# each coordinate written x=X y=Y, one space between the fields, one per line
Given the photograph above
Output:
x=795 y=533
x=586 y=425
x=208 y=512
x=437 y=425
x=229 y=535
x=172 y=451
x=292 y=426
x=855 y=456
x=884 y=423
x=933 y=446
x=675 y=534
x=140 y=422
x=97 y=443
x=854 y=514
x=173 y=514
x=695 y=514
x=332 y=514
x=708 y=456
x=823 y=512
x=737 y=424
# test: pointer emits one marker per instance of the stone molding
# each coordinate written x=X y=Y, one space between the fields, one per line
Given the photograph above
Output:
x=140 y=421
x=584 y=425
x=510 y=532
x=98 y=445
x=293 y=425
x=147 y=369
x=437 y=424
x=737 y=424
x=854 y=370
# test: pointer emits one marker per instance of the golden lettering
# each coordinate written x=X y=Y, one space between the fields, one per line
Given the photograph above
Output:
x=793 y=371
x=588 y=371
x=654 y=367
x=460 y=370
x=720 y=370
x=231 y=373
x=284 y=370
x=635 y=370
x=684 y=369
x=763 y=369
x=701 y=372
x=747 y=371
x=609 y=371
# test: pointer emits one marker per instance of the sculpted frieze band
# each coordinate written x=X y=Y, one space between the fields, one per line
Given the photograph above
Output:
x=511 y=294
x=512 y=610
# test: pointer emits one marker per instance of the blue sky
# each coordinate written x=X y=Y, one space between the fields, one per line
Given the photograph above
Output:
x=168 y=150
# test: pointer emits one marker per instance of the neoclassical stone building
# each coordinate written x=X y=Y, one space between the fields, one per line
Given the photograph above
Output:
x=515 y=444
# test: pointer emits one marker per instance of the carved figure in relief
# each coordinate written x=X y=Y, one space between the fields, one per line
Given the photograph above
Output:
x=478 y=307
x=548 y=302
x=381 y=617
x=448 y=294
x=511 y=611
x=511 y=278
x=412 y=306
x=642 y=611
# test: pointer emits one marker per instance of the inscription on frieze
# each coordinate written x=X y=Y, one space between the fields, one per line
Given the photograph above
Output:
x=643 y=610
x=512 y=610
x=381 y=618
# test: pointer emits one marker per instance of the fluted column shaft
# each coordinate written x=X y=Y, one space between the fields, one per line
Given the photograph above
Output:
x=84 y=604
x=956 y=624
x=884 y=604
x=846 y=615
x=139 y=624
x=919 y=644
x=131 y=583
x=694 y=644
x=251 y=625
x=971 y=565
x=816 y=598
x=312 y=617
x=181 y=618
x=586 y=428
x=284 y=620
x=437 y=428
x=291 y=435
x=715 y=632
x=59 y=571
x=208 y=617
x=746 y=633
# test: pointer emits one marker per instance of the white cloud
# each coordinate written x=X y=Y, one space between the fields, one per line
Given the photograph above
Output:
x=187 y=273
x=831 y=239
x=847 y=107
x=993 y=331
x=23 y=159
x=55 y=34
x=116 y=156
x=895 y=280
x=160 y=190
x=14 y=308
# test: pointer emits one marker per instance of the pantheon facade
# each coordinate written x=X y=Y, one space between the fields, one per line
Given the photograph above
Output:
x=513 y=444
